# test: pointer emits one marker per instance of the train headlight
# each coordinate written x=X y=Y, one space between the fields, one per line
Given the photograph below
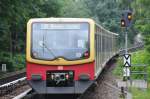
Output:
x=35 y=54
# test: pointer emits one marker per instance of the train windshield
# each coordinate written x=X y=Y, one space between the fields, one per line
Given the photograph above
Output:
x=60 y=40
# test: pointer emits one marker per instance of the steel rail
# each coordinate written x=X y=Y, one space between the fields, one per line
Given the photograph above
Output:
x=13 y=82
x=23 y=94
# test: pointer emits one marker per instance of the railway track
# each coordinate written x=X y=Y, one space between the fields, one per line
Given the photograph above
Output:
x=23 y=94
x=102 y=90
x=8 y=77
x=131 y=49
x=11 y=82
x=9 y=87
x=17 y=93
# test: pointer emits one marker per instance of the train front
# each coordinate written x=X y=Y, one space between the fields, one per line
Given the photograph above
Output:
x=60 y=55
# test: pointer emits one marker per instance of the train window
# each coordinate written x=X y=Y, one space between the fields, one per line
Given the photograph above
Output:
x=67 y=40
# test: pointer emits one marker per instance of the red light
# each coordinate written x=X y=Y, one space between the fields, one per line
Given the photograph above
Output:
x=86 y=54
x=67 y=76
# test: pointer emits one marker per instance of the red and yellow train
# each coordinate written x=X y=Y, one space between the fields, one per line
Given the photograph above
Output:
x=66 y=55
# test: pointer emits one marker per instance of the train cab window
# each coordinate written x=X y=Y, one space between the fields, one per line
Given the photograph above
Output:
x=66 y=40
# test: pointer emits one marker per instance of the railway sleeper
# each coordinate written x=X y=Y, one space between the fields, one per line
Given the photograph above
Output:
x=10 y=88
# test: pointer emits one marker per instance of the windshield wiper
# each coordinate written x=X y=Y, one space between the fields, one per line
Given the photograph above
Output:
x=44 y=45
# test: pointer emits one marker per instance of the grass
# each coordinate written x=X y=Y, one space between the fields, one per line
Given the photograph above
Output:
x=140 y=94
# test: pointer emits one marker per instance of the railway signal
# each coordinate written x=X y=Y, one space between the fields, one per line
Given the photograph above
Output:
x=126 y=20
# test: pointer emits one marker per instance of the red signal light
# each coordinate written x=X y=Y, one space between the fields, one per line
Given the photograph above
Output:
x=67 y=76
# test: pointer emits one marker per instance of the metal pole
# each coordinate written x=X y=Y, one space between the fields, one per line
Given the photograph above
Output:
x=126 y=52
x=126 y=42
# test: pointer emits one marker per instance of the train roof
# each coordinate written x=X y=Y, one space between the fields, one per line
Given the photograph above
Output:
x=53 y=19
x=106 y=30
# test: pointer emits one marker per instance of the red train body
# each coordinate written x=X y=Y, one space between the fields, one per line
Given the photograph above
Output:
x=71 y=71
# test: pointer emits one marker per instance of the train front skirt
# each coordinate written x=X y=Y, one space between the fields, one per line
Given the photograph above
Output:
x=79 y=87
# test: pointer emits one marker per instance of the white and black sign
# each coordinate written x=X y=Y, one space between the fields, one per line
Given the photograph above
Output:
x=126 y=71
x=127 y=60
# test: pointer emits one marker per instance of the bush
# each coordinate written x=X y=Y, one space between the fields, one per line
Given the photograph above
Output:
x=5 y=59
x=119 y=67
x=16 y=63
x=19 y=61
x=140 y=57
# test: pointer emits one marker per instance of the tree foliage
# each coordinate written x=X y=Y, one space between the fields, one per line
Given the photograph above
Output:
x=142 y=23
x=74 y=8
x=14 y=15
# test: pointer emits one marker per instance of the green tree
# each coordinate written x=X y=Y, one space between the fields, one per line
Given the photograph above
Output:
x=142 y=22
x=74 y=8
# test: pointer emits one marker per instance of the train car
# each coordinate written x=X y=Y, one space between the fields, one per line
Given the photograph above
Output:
x=66 y=55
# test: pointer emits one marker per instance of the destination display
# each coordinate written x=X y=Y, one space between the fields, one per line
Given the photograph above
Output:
x=60 y=26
